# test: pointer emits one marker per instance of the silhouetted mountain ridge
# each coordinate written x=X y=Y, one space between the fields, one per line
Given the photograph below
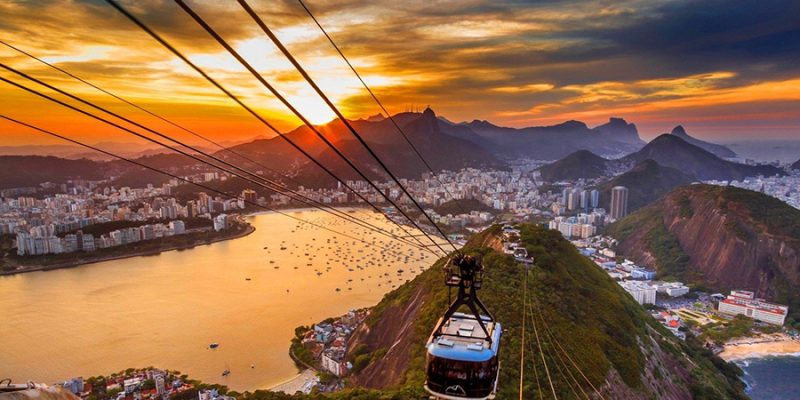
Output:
x=582 y=164
x=717 y=149
x=672 y=151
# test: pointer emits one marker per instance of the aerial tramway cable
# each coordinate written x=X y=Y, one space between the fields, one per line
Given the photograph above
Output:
x=280 y=97
x=151 y=113
x=566 y=354
x=330 y=104
x=282 y=189
x=382 y=107
x=182 y=179
x=541 y=353
x=558 y=360
x=177 y=53
x=154 y=140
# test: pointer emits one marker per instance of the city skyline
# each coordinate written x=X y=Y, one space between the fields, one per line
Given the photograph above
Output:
x=723 y=73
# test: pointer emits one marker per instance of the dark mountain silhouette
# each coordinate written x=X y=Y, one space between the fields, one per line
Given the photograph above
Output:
x=796 y=165
x=646 y=182
x=582 y=164
x=672 y=151
x=717 y=149
x=553 y=142
x=755 y=246
x=429 y=134
x=28 y=171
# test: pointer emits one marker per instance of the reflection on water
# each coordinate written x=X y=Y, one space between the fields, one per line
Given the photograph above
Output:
x=165 y=310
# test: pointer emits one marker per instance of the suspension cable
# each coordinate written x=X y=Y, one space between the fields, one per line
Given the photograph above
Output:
x=161 y=143
x=522 y=343
x=280 y=97
x=151 y=113
x=382 y=107
x=333 y=107
x=183 y=58
x=541 y=353
x=205 y=187
x=566 y=354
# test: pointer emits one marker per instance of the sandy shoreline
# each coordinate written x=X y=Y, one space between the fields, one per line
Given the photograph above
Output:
x=300 y=383
x=772 y=345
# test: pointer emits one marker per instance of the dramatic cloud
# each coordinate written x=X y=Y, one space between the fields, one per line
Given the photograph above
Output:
x=725 y=70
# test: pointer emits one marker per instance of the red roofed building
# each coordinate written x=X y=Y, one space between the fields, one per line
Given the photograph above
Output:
x=742 y=302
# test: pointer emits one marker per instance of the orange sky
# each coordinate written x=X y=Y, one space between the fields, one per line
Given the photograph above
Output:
x=655 y=63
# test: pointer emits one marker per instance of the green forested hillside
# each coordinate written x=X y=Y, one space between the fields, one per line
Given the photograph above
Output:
x=620 y=349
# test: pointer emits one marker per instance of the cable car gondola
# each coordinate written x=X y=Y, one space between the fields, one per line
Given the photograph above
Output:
x=463 y=349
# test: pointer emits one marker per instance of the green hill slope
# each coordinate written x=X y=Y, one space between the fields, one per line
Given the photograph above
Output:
x=755 y=246
x=646 y=182
x=621 y=350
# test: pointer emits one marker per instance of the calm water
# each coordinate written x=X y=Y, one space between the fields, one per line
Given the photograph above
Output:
x=772 y=378
x=164 y=310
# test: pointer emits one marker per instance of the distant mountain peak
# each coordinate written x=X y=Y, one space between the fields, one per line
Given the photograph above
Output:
x=679 y=131
x=428 y=112
x=717 y=149
x=619 y=129
x=376 y=118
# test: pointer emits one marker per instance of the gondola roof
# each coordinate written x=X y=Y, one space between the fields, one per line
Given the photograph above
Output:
x=463 y=339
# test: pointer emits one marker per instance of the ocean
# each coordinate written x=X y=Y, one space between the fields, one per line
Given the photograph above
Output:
x=772 y=378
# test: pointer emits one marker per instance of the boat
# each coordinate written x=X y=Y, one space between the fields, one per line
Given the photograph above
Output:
x=226 y=372
x=247 y=279
x=213 y=345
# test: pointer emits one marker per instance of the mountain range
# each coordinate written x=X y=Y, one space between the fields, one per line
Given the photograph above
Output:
x=755 y=246
x=672 y=151
x=614 y=138
x=445 y=146
x=667 y=151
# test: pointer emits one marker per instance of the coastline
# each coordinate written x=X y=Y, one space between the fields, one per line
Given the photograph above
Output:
x=761 y=347
x=149 y=252
x=347 y=207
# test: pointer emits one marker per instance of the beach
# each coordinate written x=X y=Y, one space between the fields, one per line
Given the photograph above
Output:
x=303 y=382
x=778 y=344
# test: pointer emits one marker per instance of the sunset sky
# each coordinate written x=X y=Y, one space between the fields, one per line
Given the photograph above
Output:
x=725 y=70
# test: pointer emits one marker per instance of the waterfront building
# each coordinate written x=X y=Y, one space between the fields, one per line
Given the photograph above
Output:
x=619 y=202
x=743 y=302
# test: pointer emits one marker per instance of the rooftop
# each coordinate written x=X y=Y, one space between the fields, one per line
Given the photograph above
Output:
x=463 y=339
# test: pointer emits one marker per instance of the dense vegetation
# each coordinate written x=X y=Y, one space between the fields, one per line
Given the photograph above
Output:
x=593 y=319
x=22 y=171
x=646 y=183
x=751 y=217
x=582 y=164
x=455 y=207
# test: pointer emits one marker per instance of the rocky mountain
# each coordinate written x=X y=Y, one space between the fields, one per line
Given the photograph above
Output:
x=646 y=182
x=716 y=149
x=672 y=151
x=26 y=171
x=755 y=246
x=582 y=164
x=617 y=137
x=796 y=165
x=621 y=350
x=427 y=132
